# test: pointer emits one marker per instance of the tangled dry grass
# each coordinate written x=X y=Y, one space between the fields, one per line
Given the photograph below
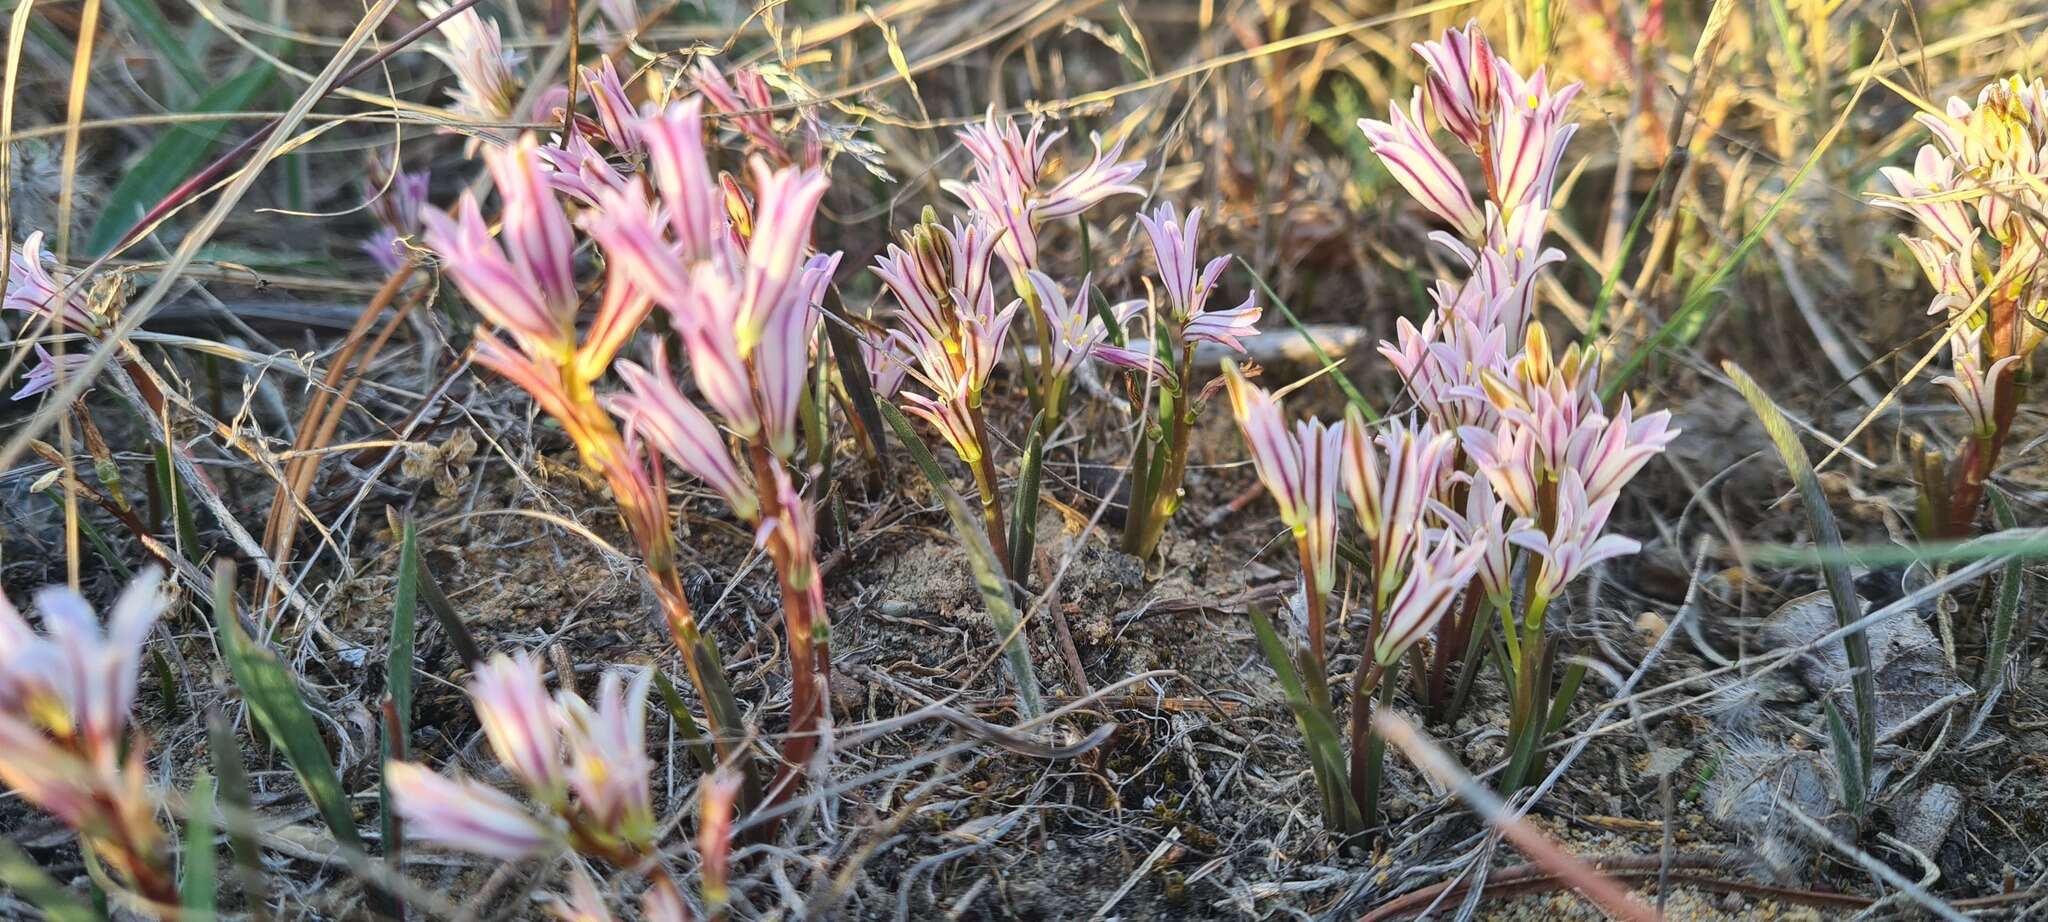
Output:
x=298 y=430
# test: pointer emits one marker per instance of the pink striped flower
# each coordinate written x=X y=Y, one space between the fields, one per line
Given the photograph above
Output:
x=1609 y=452
x=1529 y=137
x=109 y=806
x=76 y=681
x=1931 y=195
x=616 y=115
x=1576 y=542
x=1975 y=387
x=579 y=170
x=1420 y=167
x=34 y=289
x=1104 y=176
x=471 y=47
x=463 y=815
x=689 y=191
x=1464 y=87
x=48 y=370
x=1006 y=207
x=1506 y=458
x=739 y=99
x=526 y=286
x=654 y=409
x=1077 y=329
x=1431 y=578
x=1301 y=470
x=948 y=411
x=1173 y=249
x=887 y=356
x=608 y=764
x=1484 y=523
x=518 y=719
x=1390 y=497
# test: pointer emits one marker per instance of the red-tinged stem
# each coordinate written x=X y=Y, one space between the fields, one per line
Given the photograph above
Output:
x=802 y=609
x=240 y=152
x=1316 y=604
x=1980 y=457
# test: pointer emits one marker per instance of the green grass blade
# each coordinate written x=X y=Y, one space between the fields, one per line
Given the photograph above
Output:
x=445 y=614
x=398 y=677
x=273 y=699
x=181 y=510
x=854 y=376
x=1828 y=535
x=1351 y=393
x=196 y=880
x=686 y=723
x=1884 y=555
x=981 y=559
x=172 y=158
x=58 y=904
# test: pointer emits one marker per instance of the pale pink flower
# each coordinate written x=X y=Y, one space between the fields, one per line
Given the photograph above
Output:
x=577 y=169
x=948 y=412
x=664 y=903
x=1173 y=248
x=1103 y=177
x=608 y=764
x=1976 y=388
x=1006 y=207
x=1432 y=576
x=34 y=289
x=1421 y=168
x=1529 y=136
x=471 y=47
x=1576 y=542
x=1464 y=88
x=689 y=191
x=1484 y=523
x=1301 y=470
x=506 y=284
x=1609 y=452
x=1077 y=329
x=48 y=369
x=78 y=679
x=616 y=115
x=1930 y=194
x=738 y=99
x=464 y=815
x=716 y=796
x=887 y=356
x=1390 y=496
x=518 y=719
x=654 y=409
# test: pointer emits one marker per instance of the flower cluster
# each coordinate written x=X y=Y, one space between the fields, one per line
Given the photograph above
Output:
x=1977 y=197
x=585 y=766
x=56 y=299
x=65 y=698
x=1005 y=189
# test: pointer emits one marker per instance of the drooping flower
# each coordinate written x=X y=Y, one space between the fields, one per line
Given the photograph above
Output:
x=1103 y=177
x=34 y=289
x=463 y=815
x=518 y=719
x=49 y=369
x=471 y=47
x=608 y=764
x=656 y=410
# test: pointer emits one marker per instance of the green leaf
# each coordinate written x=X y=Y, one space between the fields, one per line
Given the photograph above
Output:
x=173 y=491
x=233 y=792
x=686 y=723
x=273 y=698
x=398 y=666
x=172 y=158
x=854 y=376
x=1024 y=512
x=196 y=882
x=58 y=903
x=1828 y=535
x=2008 y=604
x=1847 y=764
x=981 y=559
x=149 y=23
x=1318 y=728
x=450 y=621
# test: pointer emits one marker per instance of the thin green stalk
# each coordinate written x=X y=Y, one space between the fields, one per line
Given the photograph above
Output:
x=1372 y=767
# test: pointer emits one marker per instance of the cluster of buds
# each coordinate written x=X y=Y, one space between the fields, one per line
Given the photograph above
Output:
x=1977 y=197
x=585 y=767
x=65 y=742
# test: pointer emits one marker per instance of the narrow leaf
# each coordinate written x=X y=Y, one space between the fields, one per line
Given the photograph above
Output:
x=150 y=23
x=854 y=376
x=20 y=874
x=981 y=559
x=450 y=621
x=196 y=883
x=273 y=698
x=172 y=158
x=2008 y=604
x=1828 y=535
x=232 y=791
x=1351 y=393
x=1024 y=513
x=686 y=723
x=1847 y=764
x=1318 y=729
